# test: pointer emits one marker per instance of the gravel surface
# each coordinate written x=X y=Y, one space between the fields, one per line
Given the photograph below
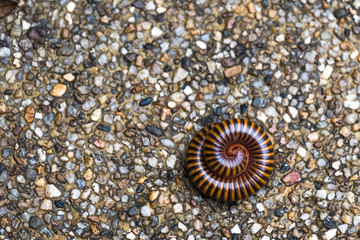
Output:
x=99 y=99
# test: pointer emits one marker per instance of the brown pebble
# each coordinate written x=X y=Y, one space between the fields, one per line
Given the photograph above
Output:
x=226 y=232
x=99 y=143
x=233 y=71
x=291 y=178
x=355 y=127
x=58 y=90
x=3 y=107
x=344 y=131
x=94 y=218
x=64 y=33
x=29 y=114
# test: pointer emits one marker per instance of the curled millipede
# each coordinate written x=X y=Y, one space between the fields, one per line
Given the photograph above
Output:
x=230 y=160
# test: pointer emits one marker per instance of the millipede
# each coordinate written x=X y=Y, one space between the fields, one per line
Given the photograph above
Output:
x=230 y=160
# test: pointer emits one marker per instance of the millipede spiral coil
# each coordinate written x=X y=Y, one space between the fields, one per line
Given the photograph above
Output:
x=230 y=160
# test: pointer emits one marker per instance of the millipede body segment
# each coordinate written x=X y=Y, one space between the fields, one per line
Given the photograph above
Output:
x=230 y=160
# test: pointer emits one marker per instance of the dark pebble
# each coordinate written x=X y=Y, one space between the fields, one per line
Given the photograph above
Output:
x=59 y=204
x=133 y=211
x=145 y=101
x=218 y=111
x=340 y=13
x=185 y=63
x=267 y=79
x=159 y=17
x=243 y=108
x=148 y=46
x=7 y=152
x=178 y=120
x=8 y=92
x=205 y=121
x=328 y=223
x=154 y=221
x=154 y=131
x=228 y=62
x=66 y=50
x=356 y=29
x=138 y=4
x=31 y=174
x=105 y=128
x=168 y=68
x=265 y=3
x=259 y=102
x=140 y=188
x=1 y=167
x=284 y=167
x=279 y=212
x=35 y=222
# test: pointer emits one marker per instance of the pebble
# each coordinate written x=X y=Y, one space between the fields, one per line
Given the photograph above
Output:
x=52 y=191
x=180 y=74
x=330 y=234
x=58 y=90
x=233 y=71
x=291 y=178
x=255 y=228
x=145 y=211
x=35 y=222
x=145 y=101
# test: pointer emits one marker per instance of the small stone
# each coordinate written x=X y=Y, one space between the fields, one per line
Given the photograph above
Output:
x=145 y=211
x=344 y=131
x=99 y=143
x=291 y=178
x=352 y=104
x=351 y=118
x=255 y=228
x=178 y=97
x=321 y=194
x=313 y=137
x=259 y=102
x=233 y=71
x=178 y=208
x=198 y=225
x=3 y=108
x=29 y=114
x=171 y=161
x=70 y=7
x=251 y=7
x=293 y=112
x=66 y=50
x=96 y=115
x=327 y=72
x=46 y=204
x=35 y=222
x=154 y=131
x=182 y=227
x=156 y=32
x=145 y=101
x=330 y=234
x=301 y=152
x=69 y=77
x=180 y=74
x=236 y=229
x=340 y=13
x=201 y=44
x=52 y=191
x=58 y=90
x=154 y=195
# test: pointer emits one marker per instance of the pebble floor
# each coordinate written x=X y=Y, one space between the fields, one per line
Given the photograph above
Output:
x=100 y=98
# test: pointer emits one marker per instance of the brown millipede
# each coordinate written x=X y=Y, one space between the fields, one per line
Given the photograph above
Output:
x=230 y=160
